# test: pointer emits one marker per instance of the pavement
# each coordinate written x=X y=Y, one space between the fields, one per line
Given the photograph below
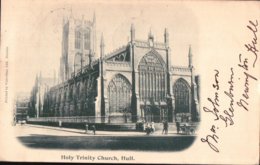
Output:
x=47 y=137
x=104 y=133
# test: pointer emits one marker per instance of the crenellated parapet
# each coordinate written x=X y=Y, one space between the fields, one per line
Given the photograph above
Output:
x=180 y=70
x=145 y=44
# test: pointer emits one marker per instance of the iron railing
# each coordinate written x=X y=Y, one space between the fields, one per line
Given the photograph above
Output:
x=86 y=119
x=107 y=119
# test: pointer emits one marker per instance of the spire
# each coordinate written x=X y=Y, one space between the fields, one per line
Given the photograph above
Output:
x=150 y=36
x=166 y=37
x=39 y=78
x=190 y=57
x=82 y=24
x=150 y=39
x=102 y=45
x=54 y=77
x=94 y=17
x=70 y=14
x=93 y=41
x=132 y=32
x=40 y=75
x=63 y=20
x=36 y=79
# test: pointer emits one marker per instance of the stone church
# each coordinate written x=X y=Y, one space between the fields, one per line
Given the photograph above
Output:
x=134 y=83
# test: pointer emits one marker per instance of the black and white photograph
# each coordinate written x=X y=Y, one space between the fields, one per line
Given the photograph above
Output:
x=130 y=82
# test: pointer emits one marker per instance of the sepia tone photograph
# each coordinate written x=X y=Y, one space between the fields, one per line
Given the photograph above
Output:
x=130 y=82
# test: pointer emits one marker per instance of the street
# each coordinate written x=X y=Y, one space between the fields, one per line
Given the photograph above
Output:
x=35 y=136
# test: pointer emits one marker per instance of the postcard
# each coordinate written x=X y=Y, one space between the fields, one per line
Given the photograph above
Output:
x=158 y=82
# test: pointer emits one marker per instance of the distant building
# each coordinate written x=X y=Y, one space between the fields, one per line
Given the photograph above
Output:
x=22 y=106
x=38 y=94
x=134 y=83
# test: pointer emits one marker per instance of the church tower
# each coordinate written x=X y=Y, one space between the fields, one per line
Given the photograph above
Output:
x=78 y=45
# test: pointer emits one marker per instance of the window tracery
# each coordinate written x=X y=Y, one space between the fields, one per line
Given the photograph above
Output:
x=119 y=95
x=87 y=39
x=77 y=39
x=152 y=78
x=182 y=96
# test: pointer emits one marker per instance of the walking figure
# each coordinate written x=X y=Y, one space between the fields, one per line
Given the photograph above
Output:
x=94 y=129
x=60 y=123
x=152 y=127
x=144 y=125
x=148 y=129
x=165 y=127
x=178 y=127
x=86 y=128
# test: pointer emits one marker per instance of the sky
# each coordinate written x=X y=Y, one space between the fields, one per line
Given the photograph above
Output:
x=34 y=31
x=37 y=29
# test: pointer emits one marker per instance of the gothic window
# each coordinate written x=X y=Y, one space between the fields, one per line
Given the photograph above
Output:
x=87 y=39
x=78 y=91
x=119 y=93
x=77 y=62
x=77 y=39
x=71 y=93
x=182 y=96
x=64 y=95
x=152 y=78
x=54 y=98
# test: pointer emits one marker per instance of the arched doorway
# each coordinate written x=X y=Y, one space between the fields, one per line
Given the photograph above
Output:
x=119 y=97
x=152 y=86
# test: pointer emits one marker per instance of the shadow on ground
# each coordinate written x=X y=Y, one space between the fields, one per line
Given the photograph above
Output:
x=91 y=142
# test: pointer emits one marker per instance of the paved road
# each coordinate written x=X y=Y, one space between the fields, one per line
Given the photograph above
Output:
x=63 y=138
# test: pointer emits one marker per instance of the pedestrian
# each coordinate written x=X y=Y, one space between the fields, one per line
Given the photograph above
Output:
x=86 y=126
x=147 y=129
x=94 y=129
x=186 y=128
x=178 y=127
x=60 y=123
x=165 y=127
x=143 y=125
x=152 y=127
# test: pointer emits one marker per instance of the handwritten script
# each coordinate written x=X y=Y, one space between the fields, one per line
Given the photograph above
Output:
x=242 y=72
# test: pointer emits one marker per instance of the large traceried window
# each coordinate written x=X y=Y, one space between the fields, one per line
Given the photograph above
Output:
x=70 y=93
x=182 y=96
x=87 y=39
x=77 y=39
x=77 y=96
x=119 y=95
x=152 y=78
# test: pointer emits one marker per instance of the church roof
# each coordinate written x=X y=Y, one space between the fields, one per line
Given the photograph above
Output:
x=115 y=52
